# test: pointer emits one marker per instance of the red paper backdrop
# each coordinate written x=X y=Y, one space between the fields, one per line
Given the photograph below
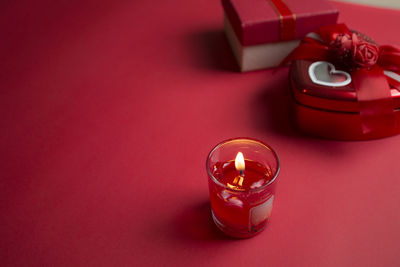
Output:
x=107 y=112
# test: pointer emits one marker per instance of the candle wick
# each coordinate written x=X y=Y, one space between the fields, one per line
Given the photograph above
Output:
x=241 y=173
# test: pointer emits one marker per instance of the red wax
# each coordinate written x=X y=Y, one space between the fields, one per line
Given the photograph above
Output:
x=239 y=208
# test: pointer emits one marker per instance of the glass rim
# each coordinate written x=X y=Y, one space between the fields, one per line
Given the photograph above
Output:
x=268 y=147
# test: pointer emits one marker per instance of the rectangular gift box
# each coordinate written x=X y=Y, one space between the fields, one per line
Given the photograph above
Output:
x=332 y=111
x=263 y=32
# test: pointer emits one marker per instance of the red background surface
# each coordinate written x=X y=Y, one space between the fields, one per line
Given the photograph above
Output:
x=107 y=112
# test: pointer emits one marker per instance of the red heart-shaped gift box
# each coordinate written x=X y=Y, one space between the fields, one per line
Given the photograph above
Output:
x=325 y=103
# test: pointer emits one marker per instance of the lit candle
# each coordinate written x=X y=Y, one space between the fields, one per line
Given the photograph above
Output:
x=239 y=165
x=242 y=187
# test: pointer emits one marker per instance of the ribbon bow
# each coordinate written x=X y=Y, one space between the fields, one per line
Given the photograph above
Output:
x=373 y=70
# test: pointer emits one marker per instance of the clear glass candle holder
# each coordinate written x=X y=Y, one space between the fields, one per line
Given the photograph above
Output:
x=242 y=187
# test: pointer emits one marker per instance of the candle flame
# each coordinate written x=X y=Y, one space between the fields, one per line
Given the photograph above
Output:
x=239 y=162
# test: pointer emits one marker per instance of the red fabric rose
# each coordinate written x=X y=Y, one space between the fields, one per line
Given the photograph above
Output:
x=353 y=51
x=342 y=42
x=364 y=54
x=341 y=47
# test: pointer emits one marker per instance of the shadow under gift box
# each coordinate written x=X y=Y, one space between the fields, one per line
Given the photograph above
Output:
x=331 y=112
x=254 y=28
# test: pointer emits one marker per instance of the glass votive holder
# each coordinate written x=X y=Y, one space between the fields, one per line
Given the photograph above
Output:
x=242 y=176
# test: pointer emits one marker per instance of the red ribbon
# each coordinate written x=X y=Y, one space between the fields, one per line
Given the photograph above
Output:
x=287 y=19
x=372 y=86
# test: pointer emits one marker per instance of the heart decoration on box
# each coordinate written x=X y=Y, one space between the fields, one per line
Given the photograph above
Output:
x=324 y=73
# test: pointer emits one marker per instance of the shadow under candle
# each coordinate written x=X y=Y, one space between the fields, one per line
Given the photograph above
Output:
x=196 y=223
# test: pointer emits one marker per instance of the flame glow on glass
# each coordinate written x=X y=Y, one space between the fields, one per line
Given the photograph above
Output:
x=239 y=162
